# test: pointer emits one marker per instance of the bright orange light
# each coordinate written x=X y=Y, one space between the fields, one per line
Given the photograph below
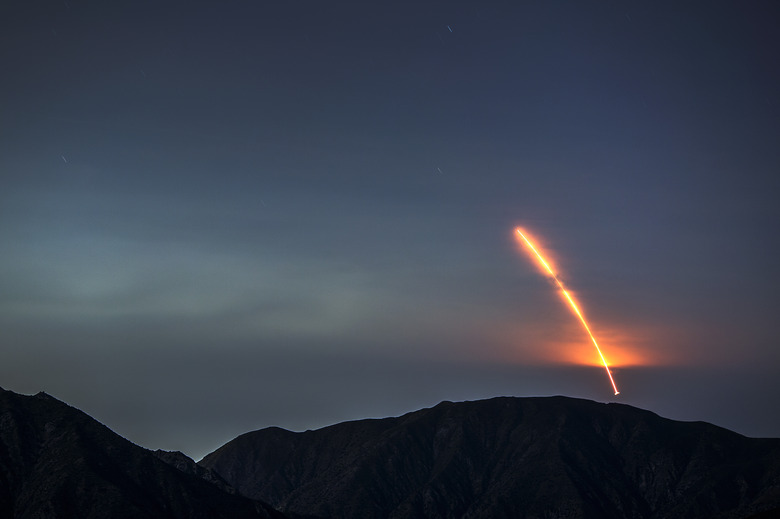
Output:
x=571 y=302
x=571 y=352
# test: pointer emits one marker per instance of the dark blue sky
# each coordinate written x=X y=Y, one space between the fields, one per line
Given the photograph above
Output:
x=219 y=216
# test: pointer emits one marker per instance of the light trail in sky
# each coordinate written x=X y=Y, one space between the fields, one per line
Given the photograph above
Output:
x=571 y=302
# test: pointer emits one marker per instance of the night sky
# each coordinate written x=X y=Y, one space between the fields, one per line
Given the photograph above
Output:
x=217 y=216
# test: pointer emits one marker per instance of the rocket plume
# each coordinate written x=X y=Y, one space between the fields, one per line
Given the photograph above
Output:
x=571 y=302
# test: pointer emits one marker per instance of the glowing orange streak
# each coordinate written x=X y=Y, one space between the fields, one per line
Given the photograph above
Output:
x=573 y=305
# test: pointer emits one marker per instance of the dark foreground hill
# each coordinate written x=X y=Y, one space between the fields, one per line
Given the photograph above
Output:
x=57 y=462
x=508 y=458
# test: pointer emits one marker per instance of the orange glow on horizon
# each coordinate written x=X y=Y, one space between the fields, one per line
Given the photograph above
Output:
x=625 y=344
x=625 y=357
x=571 y=302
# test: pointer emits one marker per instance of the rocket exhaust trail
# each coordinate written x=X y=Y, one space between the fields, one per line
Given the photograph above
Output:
x=571 y=303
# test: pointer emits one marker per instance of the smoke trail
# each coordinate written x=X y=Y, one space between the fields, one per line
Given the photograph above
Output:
x=571 y=303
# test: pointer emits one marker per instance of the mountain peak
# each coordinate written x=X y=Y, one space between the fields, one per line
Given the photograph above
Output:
x=55 y=461
x=507 y=457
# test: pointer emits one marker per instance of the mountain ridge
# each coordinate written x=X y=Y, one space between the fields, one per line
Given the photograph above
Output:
x=507 y=457
x=501 y=457
x=58 y=462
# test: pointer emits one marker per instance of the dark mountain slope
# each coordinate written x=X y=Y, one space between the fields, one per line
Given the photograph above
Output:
x=507 y=457
x=186 y=464
x=57 y=462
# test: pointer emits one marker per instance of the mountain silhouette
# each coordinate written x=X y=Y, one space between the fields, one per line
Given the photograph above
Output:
x=57 y=462
x=506 y=457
